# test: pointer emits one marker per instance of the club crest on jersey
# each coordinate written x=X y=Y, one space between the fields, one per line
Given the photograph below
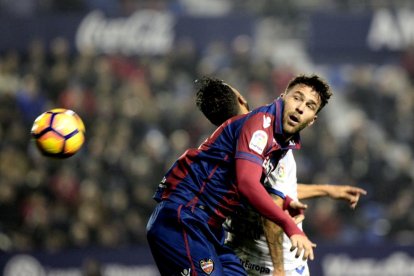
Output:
x=259 y=141
x=280 y=170
x=207 y=265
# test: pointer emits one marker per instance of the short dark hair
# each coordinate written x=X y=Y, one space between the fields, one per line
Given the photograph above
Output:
x=216 y=100
x=316 y=83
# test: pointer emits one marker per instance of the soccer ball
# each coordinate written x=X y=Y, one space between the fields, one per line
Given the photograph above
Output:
x=58 y=133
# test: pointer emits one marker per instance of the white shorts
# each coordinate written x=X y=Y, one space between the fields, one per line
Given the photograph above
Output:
x=259 y=270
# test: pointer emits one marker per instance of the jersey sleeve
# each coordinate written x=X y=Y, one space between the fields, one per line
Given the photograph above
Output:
x=248 y=182
x=255 y=138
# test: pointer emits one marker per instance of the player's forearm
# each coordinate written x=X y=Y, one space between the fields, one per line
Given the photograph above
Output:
x=343 y=192
x=274 y=237
x=315 y=190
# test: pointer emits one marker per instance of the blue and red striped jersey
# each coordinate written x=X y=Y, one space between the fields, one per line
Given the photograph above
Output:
x=205 y=177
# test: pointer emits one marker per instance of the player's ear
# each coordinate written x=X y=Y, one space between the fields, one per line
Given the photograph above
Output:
x=282 y=95
x=242 y=100
x=313 y=120
x=243 y=105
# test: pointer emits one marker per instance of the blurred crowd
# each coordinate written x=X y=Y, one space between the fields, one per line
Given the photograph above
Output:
x=140 y=115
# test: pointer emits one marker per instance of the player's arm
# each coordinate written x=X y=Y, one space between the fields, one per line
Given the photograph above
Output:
x=248 y=181
x=343 y=192
x=274 y=237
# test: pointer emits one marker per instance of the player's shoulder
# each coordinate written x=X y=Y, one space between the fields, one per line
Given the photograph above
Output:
x=288 y=158
x=263 y=115
x=289 y=155
x=268 y=108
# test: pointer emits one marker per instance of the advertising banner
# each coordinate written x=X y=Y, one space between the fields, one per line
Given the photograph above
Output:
x=145 y=32
x=351 y=38
x=363 y=260
x=357 y=260
x=79 y=262
x=331 y=38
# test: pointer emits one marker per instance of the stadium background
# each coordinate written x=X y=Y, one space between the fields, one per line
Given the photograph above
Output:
x=128 y=67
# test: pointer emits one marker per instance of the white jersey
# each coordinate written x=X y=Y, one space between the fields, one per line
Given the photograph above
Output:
x=246 y=235
x=284 y=180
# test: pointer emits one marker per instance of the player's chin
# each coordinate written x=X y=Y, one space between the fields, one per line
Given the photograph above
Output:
x=291 y=130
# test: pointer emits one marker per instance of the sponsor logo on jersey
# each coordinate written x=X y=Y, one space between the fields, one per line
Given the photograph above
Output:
x=300 y=270
x=266 y=121
x=186 y=272
x=207 y=265
x=259 y=141
x=267 y=165
x=162 y=183
x=255 y=267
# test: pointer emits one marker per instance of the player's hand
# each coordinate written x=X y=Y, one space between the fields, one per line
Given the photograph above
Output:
x=347 y=193
x=296 y=208
x=302 y=245
x=297 y=205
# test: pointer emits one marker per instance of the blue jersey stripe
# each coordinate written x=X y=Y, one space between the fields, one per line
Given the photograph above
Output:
x=248 y=156
x=270 y=190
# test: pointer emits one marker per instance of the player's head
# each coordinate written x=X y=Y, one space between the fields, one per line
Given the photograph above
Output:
x=304 y=97
x=219 y=101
